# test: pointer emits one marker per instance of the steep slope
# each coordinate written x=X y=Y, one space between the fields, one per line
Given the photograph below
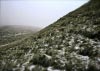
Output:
x=70 y=44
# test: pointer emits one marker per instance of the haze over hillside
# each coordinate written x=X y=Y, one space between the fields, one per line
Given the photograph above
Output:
x=39 y=13
x=19 y=28
x=13 y=33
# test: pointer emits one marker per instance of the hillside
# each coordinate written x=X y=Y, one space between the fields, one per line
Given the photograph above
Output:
x=70 y=44
x=11 y=33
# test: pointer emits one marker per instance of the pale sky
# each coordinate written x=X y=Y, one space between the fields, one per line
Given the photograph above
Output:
x=39 y=13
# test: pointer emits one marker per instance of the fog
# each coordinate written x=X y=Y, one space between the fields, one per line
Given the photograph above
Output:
x=39 y=13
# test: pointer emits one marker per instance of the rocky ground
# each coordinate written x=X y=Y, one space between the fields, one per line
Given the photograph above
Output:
x=70 y=44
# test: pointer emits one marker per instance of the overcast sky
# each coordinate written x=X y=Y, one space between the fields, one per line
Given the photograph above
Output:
x=39 y=13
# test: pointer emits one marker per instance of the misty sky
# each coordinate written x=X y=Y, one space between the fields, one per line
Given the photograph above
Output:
x=39 y=13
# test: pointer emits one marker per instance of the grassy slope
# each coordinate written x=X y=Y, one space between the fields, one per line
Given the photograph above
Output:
x=72 y=43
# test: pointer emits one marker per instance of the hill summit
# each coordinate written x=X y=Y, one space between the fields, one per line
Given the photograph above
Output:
x=72 y=43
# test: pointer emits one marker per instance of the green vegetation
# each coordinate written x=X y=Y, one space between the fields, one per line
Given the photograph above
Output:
x=70 y=44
